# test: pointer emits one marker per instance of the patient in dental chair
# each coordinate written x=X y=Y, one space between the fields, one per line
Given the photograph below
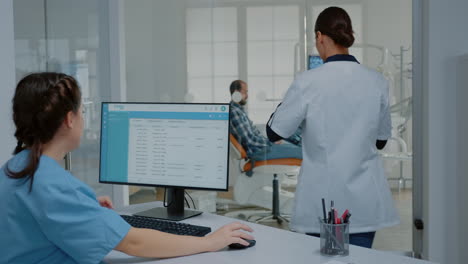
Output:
x=257 y=146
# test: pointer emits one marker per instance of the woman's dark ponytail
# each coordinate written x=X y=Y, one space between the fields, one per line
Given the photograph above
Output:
x=40 y=104
x=19 y=148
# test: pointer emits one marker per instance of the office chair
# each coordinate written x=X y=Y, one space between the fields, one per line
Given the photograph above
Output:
x=263 y=187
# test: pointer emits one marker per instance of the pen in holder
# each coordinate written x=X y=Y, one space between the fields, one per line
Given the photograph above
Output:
x=334 y=239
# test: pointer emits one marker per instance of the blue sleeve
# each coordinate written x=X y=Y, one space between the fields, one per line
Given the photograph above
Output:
x=70 y=216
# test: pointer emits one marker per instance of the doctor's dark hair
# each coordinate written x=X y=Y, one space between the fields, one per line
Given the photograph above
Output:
x=40 y=105
x=336 y=23
x=236 y=86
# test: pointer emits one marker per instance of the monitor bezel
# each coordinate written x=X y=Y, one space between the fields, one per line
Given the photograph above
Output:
x=228 y=105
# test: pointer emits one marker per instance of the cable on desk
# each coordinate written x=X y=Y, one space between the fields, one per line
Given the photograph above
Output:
x=192 y=200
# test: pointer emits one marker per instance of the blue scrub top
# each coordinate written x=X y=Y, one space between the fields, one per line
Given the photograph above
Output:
x=60 y=221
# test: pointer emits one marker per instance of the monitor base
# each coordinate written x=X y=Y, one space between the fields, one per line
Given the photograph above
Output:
x=162 y=213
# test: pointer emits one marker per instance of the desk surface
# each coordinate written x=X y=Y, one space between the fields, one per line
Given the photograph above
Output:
x=273 y=246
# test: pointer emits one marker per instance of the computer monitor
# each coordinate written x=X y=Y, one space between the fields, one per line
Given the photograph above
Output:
x=175 y=145
x=314 y=61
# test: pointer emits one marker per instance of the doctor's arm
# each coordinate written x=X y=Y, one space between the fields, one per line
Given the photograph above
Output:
x=385 y=124
x=155 y=244
x=288 y=116
x=272 y=136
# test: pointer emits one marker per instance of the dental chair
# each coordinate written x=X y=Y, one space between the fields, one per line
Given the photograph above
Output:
x=253 y=181
x=397 y=149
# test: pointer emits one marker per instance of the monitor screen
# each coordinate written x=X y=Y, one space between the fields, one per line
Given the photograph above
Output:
x=314 y=61
x=163 y=144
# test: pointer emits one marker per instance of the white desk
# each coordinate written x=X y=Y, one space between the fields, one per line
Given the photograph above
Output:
x=273 y=246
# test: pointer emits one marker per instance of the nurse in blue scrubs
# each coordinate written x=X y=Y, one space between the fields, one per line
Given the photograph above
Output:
x=49 y=216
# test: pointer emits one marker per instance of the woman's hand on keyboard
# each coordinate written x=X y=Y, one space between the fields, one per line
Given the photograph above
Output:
x=229 y=234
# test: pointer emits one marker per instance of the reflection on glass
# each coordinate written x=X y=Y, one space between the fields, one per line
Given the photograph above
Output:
x=55 y=39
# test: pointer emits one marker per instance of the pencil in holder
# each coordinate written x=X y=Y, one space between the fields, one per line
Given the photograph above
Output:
x=334 y=239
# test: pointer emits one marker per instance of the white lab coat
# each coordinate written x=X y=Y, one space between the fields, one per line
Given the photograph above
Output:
x=344 y=109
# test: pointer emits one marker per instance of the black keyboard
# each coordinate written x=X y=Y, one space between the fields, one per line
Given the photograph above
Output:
x=166 y=226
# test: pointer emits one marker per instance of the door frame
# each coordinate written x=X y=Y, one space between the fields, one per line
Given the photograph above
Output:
x=419 y=61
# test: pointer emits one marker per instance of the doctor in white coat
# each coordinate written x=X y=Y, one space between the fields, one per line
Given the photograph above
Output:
x=344 y=109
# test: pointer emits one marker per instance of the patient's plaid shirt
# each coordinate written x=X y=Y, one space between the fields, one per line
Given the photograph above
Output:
x=245 y=132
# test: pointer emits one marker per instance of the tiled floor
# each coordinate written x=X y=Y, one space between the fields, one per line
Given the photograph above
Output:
x=397 y=239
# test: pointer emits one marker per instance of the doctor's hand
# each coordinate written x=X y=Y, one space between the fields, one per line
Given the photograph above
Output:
x=105 y=201
x=228 y=234
x=279 y=142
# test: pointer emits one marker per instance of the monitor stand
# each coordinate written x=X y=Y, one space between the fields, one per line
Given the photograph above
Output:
x=175 y=210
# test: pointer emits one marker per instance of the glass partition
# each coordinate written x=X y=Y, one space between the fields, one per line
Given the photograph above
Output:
x=71 y=37
x=192 y=50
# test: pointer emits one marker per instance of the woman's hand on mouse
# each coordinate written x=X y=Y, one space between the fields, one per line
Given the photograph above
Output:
x=228 y=234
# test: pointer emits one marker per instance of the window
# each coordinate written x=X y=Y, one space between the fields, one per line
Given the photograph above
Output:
x=266 y=58
x=212 y=57
x=272 y=35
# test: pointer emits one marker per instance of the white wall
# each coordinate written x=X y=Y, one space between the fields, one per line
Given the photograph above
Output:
x=444 y=33
x=7 y=75
x=388 y=23
x=384 y=23
x=30 y=47
x=155 y=39
x=155 y=50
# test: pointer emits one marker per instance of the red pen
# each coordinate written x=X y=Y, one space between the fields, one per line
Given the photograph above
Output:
x=338 y=234
x=336 y=216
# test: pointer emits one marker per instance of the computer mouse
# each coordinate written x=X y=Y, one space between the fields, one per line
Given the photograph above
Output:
x=240 y=246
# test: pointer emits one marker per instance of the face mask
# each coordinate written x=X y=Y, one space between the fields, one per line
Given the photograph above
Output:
x=236 y=97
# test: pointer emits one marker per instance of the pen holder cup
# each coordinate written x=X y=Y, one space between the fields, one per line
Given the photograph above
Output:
x=334 y=239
